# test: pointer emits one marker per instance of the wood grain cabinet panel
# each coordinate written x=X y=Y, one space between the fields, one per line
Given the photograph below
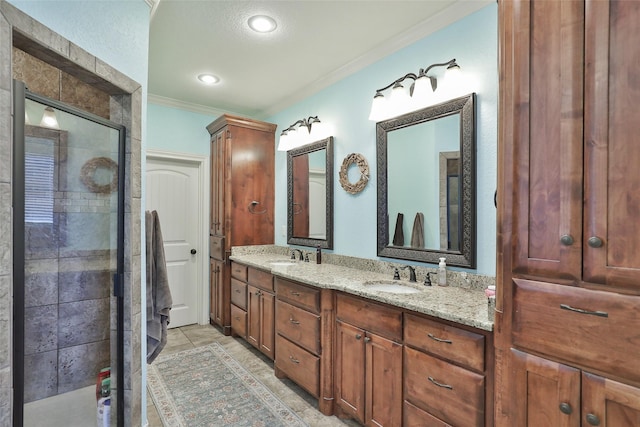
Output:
x=455 y=344
x=298 y=325
x=299 y=365
x=239 y=321
x=592 y=329
x=450 y=393
x=239 y=293
x=239 y=271
x=305 y=297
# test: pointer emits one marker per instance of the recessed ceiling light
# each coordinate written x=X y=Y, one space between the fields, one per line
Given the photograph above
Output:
x=208 y=79
x=262 y=23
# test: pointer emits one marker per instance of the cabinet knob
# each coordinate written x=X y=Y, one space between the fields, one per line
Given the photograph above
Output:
x=565 y=408
x=593 y=420
x=358 y=336
x=193 y=252
x=566 y=240
x=367 y=339
x=595 y=242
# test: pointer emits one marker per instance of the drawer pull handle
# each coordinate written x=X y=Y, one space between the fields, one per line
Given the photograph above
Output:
x=593 y=420
x=582 y=311
x=358 y=336
x=237 y=291
x=565 y=408
x=440 y=385
x=294 y=360
x=295 y=322
x=295 y=293
x=433 y=337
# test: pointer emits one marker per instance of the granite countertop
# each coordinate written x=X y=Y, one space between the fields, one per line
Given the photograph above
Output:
x=457 y=304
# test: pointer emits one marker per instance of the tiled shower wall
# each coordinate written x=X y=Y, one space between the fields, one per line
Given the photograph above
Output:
x=125 y=107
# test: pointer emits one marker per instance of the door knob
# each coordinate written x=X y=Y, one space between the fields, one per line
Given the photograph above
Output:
x=193 y=251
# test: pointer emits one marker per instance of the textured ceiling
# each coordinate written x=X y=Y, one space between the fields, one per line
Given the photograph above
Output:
x=316 y=43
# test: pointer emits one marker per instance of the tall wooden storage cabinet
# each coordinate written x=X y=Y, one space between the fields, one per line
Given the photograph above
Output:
x=242 y=199
x=568 y=321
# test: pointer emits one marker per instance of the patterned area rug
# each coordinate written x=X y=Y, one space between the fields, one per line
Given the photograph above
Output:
x=205 y=386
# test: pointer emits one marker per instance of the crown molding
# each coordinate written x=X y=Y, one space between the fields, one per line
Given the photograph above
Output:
x=188 y=106
x=453 y=13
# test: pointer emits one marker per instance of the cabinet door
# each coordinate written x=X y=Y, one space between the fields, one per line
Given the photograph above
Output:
x=350 y=369
x=216 y=291
x=543 y=87
x=267 y=324
x=217 y=183
x=545 y=393
x=608 y=403
x=253 y=315
x=383 y=381
x=612 y=152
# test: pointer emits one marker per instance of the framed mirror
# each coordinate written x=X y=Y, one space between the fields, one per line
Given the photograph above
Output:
x=426 y=184
x=310 y=194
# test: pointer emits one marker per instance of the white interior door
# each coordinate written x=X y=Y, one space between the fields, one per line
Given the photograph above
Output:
x=172 y=189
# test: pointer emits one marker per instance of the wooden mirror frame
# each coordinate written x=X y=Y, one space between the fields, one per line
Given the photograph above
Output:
x=327 y=243
x=465 y=106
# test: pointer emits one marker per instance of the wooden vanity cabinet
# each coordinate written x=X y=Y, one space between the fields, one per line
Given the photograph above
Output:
x=568 y=218
x=304 y=338
x=368 y=361
x=242 y=199
x=261 y=311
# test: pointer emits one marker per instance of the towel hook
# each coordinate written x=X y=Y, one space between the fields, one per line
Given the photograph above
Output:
x=252 y=207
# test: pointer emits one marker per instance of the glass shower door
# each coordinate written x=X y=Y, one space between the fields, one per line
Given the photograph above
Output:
x=73 y=251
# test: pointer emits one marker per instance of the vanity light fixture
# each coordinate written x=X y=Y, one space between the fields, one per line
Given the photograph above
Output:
x=421 y=93
x=209 y=79
x=262 y=23
x=302 y=132
x=49 y=119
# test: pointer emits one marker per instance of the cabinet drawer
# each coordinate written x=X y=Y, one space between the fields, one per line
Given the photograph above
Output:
x=598 y=336
x=260 y=279
x=370 y=316
x=299 y=326
x=299 y=295
x=239 y=271
x=449 y=342
x=298 y=364
x=239 y=293
x=239 y=321
x=414 y=416
x=448 y=392
x=216 y=247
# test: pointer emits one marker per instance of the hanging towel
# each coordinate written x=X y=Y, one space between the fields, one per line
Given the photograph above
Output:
x=158 y=294
x=417 y=235
x=398 y=237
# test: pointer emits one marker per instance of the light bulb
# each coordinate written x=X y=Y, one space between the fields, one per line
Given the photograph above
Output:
x=49 y=119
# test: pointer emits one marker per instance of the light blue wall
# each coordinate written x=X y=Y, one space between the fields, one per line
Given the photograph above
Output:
x=346 y=104
x=172 y=129
x=117 y=32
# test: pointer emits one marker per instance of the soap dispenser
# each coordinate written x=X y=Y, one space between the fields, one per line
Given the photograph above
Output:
x=442 y=272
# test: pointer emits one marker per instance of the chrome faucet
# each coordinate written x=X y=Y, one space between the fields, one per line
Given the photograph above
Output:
x=412 y=272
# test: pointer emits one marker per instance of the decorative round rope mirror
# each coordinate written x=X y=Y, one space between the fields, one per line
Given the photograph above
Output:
x=358 y=160
x=88 y=171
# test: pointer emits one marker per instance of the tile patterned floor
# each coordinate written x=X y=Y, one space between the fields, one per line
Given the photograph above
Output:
x=262 y=368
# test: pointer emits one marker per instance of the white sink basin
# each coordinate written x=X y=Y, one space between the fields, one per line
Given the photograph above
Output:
x=391 y=287
x=281 y=262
